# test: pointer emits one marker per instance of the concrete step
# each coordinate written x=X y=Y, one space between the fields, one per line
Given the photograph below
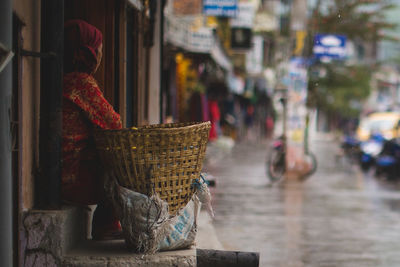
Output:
x=58 y=238
x=114 y=253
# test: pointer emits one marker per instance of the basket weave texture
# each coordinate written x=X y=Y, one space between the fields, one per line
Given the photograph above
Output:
x=160 y=158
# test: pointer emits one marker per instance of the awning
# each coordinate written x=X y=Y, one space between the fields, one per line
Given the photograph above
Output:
x=180 y=32
x=218 y=54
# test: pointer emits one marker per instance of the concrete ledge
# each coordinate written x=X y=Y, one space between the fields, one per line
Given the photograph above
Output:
x=114 y=253
x=57 y=238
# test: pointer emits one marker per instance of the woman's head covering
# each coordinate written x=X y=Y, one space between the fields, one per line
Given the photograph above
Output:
x=81 y=41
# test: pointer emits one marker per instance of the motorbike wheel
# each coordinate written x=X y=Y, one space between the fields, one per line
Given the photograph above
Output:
x=276 y=166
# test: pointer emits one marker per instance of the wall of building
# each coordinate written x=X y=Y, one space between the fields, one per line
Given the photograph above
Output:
x=388 y=50
x=155 y=71
x=29 y=13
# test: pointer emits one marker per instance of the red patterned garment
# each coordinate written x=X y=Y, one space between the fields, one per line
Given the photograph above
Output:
x=84 y=108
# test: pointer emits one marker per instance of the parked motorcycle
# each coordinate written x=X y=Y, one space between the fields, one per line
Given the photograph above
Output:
x=276 y=162
x=388 y=161
x=370 y=150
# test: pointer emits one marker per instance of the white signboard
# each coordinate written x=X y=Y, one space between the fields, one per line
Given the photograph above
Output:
x=175 y=31
x=265 y=22
x=245 y=16
x=179 y=32
x=201 y=40
x=254 y=58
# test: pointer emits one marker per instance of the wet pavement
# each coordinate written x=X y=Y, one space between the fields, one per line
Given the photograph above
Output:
x=338 y=217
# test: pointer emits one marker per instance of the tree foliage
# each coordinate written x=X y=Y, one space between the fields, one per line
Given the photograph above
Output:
x=357 y=19
x=343 y=88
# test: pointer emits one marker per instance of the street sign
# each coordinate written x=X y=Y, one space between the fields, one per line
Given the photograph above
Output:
x=220 y=8
x=329 y=46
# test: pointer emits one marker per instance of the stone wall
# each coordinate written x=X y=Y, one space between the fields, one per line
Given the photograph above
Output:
x=46 y=235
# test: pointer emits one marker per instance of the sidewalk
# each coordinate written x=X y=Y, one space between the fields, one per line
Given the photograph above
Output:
x=206 y=235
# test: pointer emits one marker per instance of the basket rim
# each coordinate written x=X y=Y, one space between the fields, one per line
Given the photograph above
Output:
x=179 y=125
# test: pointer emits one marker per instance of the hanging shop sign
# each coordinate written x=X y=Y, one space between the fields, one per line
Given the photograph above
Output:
x=181 y=33
x=265 y=22
x=220 y=8
x=245 y=15
x=241 y=38
x=329 y=46
x=175 y=31
x=201 y=40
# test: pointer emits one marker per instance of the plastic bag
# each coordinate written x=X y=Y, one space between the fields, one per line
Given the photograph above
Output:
x=144 y=219
x=203 y=193
x=182 y=228
x=147 y=226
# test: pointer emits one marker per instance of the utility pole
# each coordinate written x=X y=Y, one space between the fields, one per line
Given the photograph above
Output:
x=299 y=31
x=312 y=29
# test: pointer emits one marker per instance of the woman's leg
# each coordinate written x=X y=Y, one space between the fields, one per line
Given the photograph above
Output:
x=105 y=223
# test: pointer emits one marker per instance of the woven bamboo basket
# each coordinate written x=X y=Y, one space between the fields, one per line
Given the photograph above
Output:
x=164 y=159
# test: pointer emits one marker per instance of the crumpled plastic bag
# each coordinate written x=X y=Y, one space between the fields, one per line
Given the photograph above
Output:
x=203 y=193
x=182 y=228
x=147 y=226
x=144 y=219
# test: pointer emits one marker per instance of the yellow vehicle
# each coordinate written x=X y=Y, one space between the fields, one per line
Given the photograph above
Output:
x=385 y=123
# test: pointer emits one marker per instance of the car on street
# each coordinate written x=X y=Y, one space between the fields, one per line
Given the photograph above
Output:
x=385 y=123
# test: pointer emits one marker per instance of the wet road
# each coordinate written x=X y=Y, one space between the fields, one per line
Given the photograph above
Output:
x=338 y=217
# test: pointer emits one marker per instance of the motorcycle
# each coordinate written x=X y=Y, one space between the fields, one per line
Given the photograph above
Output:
x=276 y=162
x=388 y=161
x=370 y=150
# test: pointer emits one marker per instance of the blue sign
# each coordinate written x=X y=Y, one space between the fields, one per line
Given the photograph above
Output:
x=329 y=46
x=220 y=8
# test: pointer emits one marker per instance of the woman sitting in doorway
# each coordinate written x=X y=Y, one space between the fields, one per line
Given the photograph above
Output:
x=84 y=109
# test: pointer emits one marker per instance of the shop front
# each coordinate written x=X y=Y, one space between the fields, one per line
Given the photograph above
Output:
x=129 y=76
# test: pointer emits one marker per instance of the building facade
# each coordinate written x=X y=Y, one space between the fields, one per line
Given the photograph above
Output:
x=31 y=89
